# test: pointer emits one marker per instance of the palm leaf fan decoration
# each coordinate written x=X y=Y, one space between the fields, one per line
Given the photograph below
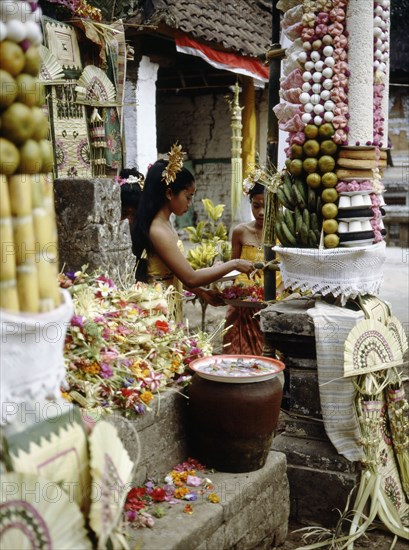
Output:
x=94 y=86
x=57 y=450
x=51 y=69
x=112 y=471
x=37 y=513
x=369 y=347
x=398 y=332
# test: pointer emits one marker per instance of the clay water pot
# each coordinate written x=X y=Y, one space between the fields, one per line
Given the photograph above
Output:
x=231 y=425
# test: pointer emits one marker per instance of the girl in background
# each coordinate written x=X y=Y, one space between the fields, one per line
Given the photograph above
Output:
x=245 y=336
x=169 y=188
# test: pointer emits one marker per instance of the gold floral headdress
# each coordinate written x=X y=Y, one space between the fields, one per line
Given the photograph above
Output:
x=175 y=163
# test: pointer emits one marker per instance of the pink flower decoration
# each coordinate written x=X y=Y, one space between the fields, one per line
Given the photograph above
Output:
x=340 y=68
x=340 y=137
x=322 y=18
x=307 y=34
x=293 y=80
x=339 y=122
x=378 y=236
x=321 y=30
x=340 y=3
x=340 y=54
x=340 y=42
x=341 y=109
x=295 y=124
x=375 y=199
x=339 y=81
x=338 y=95
x=337 y=15
x=347 y=186
x=298 y=138
x=336 y=29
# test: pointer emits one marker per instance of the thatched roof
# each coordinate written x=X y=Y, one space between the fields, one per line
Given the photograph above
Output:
x=242 y=26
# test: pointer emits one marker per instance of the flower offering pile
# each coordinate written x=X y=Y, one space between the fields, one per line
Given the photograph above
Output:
x=334 y=106
x=252 y=293
x=121 y=347
x=185 y=484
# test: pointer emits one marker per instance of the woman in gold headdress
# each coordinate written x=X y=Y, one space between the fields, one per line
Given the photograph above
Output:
x=169 y=189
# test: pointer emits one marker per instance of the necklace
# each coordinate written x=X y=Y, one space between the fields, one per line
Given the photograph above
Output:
x=259 y=239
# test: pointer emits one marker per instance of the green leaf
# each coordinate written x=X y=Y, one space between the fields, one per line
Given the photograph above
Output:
x=214 y=212
x=225 y=251
x=221 y=232
x=196 y=234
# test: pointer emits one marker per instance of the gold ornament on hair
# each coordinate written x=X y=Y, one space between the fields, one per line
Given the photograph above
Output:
x=175 y=163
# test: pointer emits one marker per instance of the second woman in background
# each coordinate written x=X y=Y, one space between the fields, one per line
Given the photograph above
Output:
x=245 y=337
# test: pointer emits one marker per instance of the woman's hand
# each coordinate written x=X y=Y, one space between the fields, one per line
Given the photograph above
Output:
x=212 y=297
x=245 y=266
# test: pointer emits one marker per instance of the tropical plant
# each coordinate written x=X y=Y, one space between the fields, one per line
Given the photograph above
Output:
x=210 y=236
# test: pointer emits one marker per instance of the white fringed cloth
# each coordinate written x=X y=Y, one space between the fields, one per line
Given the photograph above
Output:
x=32 y=366
x=342 y=272
x=337 y=394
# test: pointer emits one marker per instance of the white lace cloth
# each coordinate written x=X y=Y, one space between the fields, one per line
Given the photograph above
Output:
x=32 y=361
x=343 y=272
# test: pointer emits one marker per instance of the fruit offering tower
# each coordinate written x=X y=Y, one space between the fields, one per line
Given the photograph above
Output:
x=334 y=106
x=28 y=267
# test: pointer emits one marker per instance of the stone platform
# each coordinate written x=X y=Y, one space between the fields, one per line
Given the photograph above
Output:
x=320 y=478
x=254 y=507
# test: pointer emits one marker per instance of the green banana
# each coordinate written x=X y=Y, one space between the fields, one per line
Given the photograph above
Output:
x=298 y=220
x=289 y=221
x=306 y=219
x=300 y=185
x=313 y=221
x=312 y=240
x=289 y=196
x=282 y=198
x=288 y=235
x=298 y=197
x=319 y=206
x=304 y=234
x=287 y=179
x=281 y=236
x=311 y=200
x=279 y=216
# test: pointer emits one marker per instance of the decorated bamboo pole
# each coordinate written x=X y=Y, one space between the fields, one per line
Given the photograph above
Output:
x=236 y=159
x=274 y=58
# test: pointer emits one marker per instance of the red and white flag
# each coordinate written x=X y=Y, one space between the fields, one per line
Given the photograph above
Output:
x=248 y=66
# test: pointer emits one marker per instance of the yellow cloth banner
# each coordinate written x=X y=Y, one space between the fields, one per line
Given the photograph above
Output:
x=249 y=125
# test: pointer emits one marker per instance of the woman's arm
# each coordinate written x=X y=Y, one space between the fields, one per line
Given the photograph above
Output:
x=165 y=246
x=236 y=242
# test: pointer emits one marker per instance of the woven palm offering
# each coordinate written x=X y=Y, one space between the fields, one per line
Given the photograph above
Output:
x=28 y=266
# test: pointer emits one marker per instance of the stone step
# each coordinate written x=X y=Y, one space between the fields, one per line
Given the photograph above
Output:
x=254 y=507
x=320 y=479
x=252 y=514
